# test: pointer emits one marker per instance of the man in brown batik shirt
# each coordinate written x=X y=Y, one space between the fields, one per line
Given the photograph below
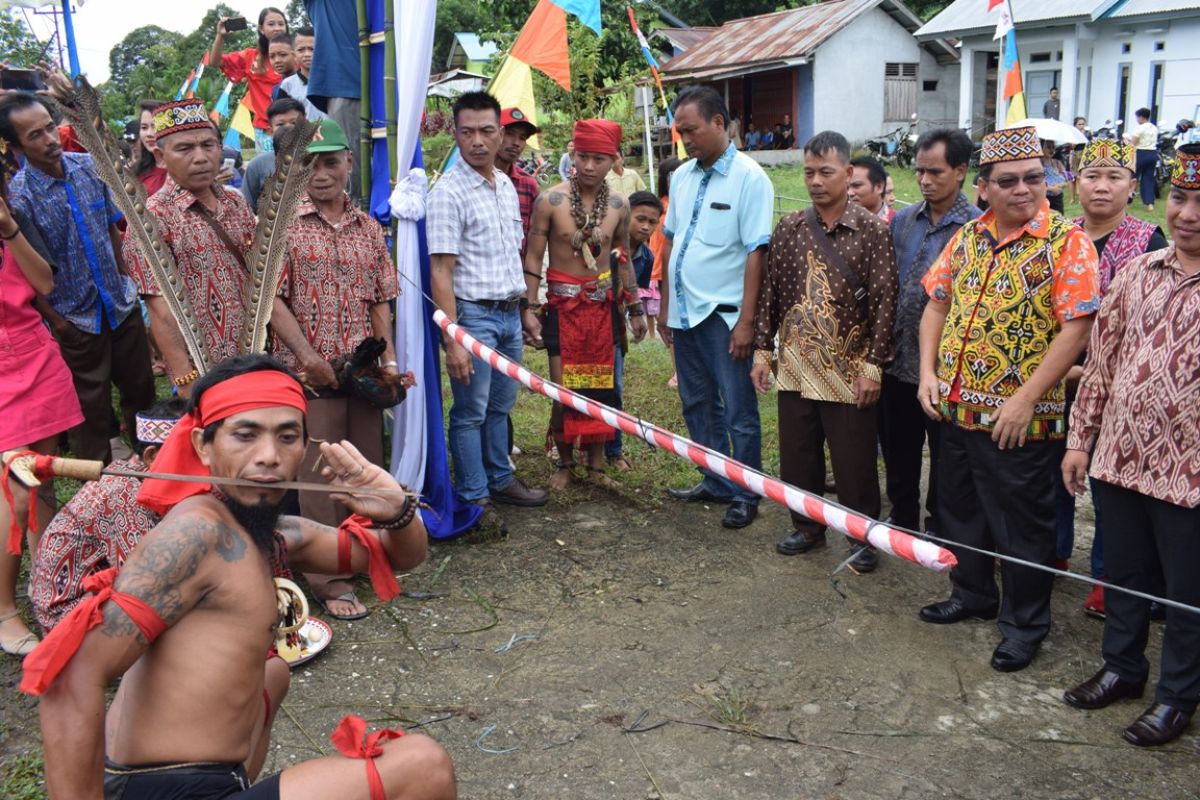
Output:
x=834 y=322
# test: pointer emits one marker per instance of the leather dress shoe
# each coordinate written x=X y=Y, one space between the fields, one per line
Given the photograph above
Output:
x=800 y=542
x=953 y=610
x=739 y=514
x=865 y=558
x=1012 y=656
x=1158 y=724
x=1102 y=689
x=696 y=494
x=518 y=494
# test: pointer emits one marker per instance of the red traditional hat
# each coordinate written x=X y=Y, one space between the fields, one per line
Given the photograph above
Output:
x=597 y=136
x=515 y=116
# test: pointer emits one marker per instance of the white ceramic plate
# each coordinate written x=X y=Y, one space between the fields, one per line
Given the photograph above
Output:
x=314 y=648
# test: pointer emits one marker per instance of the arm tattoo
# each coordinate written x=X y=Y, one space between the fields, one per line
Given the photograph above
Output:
x=539 y=231
x=554 y=198
x=615 y=203
x=157 y=574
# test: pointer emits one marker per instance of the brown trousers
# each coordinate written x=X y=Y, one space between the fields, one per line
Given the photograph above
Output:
x=114 y=357
x=334 y=419
x=804 y=427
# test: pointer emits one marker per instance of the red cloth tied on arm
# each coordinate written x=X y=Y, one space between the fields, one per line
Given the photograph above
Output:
x=54 y=652
x=43 y=467
x=246 y=392
x=383 y=579
x=351 y=740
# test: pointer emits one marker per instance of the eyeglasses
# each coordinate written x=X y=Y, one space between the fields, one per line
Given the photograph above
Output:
x=1009 y=181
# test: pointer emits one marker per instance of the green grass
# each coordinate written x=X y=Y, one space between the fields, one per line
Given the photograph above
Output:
x=21 y=778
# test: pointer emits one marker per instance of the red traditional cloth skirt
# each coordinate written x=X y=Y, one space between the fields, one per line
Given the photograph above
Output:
x=579 y=328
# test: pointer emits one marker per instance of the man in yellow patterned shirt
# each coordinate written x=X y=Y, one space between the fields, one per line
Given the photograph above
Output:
x=1011 y=302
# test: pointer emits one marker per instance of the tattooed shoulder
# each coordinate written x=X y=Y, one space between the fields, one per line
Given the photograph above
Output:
x=168 y=558
x=554 y=198
x=616 y=201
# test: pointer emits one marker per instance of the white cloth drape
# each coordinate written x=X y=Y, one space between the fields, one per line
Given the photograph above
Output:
x=414 y=48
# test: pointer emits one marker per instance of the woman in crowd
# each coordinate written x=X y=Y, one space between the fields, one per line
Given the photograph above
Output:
x=37 y=403
x=150 y=168
x=657 y=242
x=253 y=65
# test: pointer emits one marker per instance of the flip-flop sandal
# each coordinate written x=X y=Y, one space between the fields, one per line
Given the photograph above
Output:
x=348 y=597
x=21 y=646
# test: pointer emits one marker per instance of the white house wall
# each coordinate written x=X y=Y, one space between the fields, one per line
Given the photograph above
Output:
x=937 y=108
x=1181 y=57
x=848 y=74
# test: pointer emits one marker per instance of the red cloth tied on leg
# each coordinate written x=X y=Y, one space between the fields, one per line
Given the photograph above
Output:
x=54 y=652
x=587 y=347
x=351 y=740
x=383 y=580
x=43 y=468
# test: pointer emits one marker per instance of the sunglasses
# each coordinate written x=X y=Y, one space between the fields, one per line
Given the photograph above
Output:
x=1009 y=181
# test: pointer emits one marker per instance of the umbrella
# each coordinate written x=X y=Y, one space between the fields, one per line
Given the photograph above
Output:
x=1053 y=130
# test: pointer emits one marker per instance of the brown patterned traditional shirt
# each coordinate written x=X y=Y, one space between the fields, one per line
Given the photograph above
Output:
x=1139 y=400
x=212 y=278
x=332 y=275
x=826 y=337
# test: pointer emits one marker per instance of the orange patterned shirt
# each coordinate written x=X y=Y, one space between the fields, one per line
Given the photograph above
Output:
x=1008 y=300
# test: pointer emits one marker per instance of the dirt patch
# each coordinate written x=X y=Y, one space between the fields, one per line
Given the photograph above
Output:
x=605 y=615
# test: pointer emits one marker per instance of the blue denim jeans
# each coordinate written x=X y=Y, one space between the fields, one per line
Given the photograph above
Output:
x=479 y=416
x=613 y=449
x=719 y=402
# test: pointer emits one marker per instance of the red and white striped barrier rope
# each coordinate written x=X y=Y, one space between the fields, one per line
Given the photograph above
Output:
x=816 y=508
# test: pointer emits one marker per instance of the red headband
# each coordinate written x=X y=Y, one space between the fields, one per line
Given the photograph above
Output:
x=597 y=136
x=246 y=392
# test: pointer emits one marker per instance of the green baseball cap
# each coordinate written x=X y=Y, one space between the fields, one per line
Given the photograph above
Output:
x=332 y=138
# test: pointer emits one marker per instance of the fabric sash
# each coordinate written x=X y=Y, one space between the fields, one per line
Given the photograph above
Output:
x=54 y=652
x=1129 y=239
x=383 y=579
x=833 y=258
x=351 y=740
x=587 y=348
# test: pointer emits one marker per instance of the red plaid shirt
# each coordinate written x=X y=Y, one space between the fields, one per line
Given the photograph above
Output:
x=212 y=278
x=96 y=530
x=332 y=275
x=527 y=191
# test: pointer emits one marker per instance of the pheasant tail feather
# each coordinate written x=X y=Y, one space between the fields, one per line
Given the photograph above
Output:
x=276 y=210
x=130 y=196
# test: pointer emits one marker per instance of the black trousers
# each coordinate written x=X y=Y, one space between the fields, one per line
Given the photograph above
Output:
x=804 y=427
x=1145 y=541
x=1000 y=500
x=115 y=356
x=903 y=431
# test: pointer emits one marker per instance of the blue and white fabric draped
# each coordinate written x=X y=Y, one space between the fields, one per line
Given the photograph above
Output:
x=419 y=456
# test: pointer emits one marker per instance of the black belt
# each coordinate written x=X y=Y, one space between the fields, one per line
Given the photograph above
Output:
x=725 y=308
x=512 y=304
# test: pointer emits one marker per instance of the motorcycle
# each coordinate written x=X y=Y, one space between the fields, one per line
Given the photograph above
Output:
x=1108 y=130
x=540 y=167
x=897 y=147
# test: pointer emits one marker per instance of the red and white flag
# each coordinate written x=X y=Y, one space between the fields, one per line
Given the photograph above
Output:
x=1005 y=23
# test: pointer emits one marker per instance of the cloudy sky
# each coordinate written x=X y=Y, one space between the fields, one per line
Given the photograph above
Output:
x=100 y=24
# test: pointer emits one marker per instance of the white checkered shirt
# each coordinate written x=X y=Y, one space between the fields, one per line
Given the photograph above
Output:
x=480 y=225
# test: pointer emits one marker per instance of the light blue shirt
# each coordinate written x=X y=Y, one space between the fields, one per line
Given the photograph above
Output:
x=722 y=214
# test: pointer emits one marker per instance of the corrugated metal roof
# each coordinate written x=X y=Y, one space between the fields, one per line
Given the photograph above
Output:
x=971 y=16
x=685 y=38
x=1137 y=8
x=775 y=37
x=475 y=49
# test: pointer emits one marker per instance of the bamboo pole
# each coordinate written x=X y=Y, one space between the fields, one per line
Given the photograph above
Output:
x=396 y=161
x=365 y=115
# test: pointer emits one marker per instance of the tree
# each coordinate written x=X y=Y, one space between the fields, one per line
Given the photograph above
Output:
x=148 y=45
x=296 y=16
x=18 y=45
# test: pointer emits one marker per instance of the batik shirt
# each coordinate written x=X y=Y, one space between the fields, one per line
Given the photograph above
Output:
x=73 y=216
x=332 y=275
x=213 y=280
x=1008 y=300
x=827 y=338
x=96 y=530
x=1138 y=407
